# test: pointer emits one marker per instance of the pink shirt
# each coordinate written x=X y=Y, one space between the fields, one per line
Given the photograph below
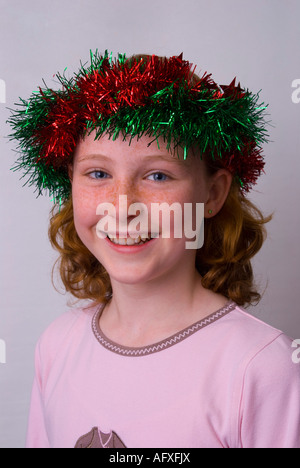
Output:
x=226 y=381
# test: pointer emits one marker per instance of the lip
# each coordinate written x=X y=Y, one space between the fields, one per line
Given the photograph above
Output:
x=133 y=235
x=130 y=249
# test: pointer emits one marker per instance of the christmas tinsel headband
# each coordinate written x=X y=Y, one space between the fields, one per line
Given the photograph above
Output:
x=143 y=95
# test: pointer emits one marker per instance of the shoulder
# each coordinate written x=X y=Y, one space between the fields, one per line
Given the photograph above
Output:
x=68 y=327
x=241 y=338
x=261 y=349
x=267 y=387
x=250 y=330
x=274 y=348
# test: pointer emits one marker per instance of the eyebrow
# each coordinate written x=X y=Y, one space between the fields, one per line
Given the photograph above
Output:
x=93 y=156
x=165 y=158
x=153 y=157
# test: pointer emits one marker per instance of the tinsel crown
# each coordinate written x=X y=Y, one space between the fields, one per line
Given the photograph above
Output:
x=143 y=95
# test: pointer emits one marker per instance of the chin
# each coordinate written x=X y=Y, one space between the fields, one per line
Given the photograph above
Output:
x=130 y=277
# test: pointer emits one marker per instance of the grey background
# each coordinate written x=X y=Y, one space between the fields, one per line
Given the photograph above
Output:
x=257 y=41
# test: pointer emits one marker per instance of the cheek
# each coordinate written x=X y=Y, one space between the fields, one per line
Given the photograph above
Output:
x=189 y=195
x=84 y=205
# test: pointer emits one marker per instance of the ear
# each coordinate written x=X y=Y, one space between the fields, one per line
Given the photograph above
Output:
x=219 y=187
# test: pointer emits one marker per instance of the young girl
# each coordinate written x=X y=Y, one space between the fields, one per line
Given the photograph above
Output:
x=163 y=355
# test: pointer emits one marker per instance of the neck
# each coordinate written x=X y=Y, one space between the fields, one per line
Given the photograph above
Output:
x=140 y=314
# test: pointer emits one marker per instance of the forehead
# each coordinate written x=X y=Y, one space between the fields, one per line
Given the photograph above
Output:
x=144 y=148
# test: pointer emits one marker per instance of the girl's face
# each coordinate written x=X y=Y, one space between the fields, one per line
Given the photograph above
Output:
x=105 y=170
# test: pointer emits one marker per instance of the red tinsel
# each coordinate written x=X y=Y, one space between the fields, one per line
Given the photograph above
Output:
x=98 y=94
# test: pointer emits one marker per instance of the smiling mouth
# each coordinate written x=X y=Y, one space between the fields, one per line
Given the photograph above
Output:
x=139 y=240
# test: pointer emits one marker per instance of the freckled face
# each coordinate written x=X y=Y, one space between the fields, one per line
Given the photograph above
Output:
x=103 y=170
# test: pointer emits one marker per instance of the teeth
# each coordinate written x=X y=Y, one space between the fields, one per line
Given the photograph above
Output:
x=129 y=240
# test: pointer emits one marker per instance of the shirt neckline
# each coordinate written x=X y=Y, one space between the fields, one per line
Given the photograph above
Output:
x=161 y=345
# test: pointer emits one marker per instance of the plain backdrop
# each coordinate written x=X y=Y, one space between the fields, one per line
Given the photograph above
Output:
x=257 y=41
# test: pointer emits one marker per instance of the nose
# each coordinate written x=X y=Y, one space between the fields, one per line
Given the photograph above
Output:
x=125 y=186
x=127 y=199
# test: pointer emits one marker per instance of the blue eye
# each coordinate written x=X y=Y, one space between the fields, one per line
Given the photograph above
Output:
x=159 y=176
x=98 y=175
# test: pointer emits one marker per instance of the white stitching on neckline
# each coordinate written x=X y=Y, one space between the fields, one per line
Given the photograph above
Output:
x=164 y=344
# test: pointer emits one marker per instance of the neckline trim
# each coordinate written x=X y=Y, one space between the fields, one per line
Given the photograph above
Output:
x=161 y=345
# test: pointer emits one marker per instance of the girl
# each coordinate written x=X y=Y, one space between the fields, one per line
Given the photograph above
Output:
x=163 y=355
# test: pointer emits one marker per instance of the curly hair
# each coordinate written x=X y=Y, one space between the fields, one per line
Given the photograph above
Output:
x=232 y=238
x=81 y=273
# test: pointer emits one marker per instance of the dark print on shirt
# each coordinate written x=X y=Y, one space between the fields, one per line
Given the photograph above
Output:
x=97 y=439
